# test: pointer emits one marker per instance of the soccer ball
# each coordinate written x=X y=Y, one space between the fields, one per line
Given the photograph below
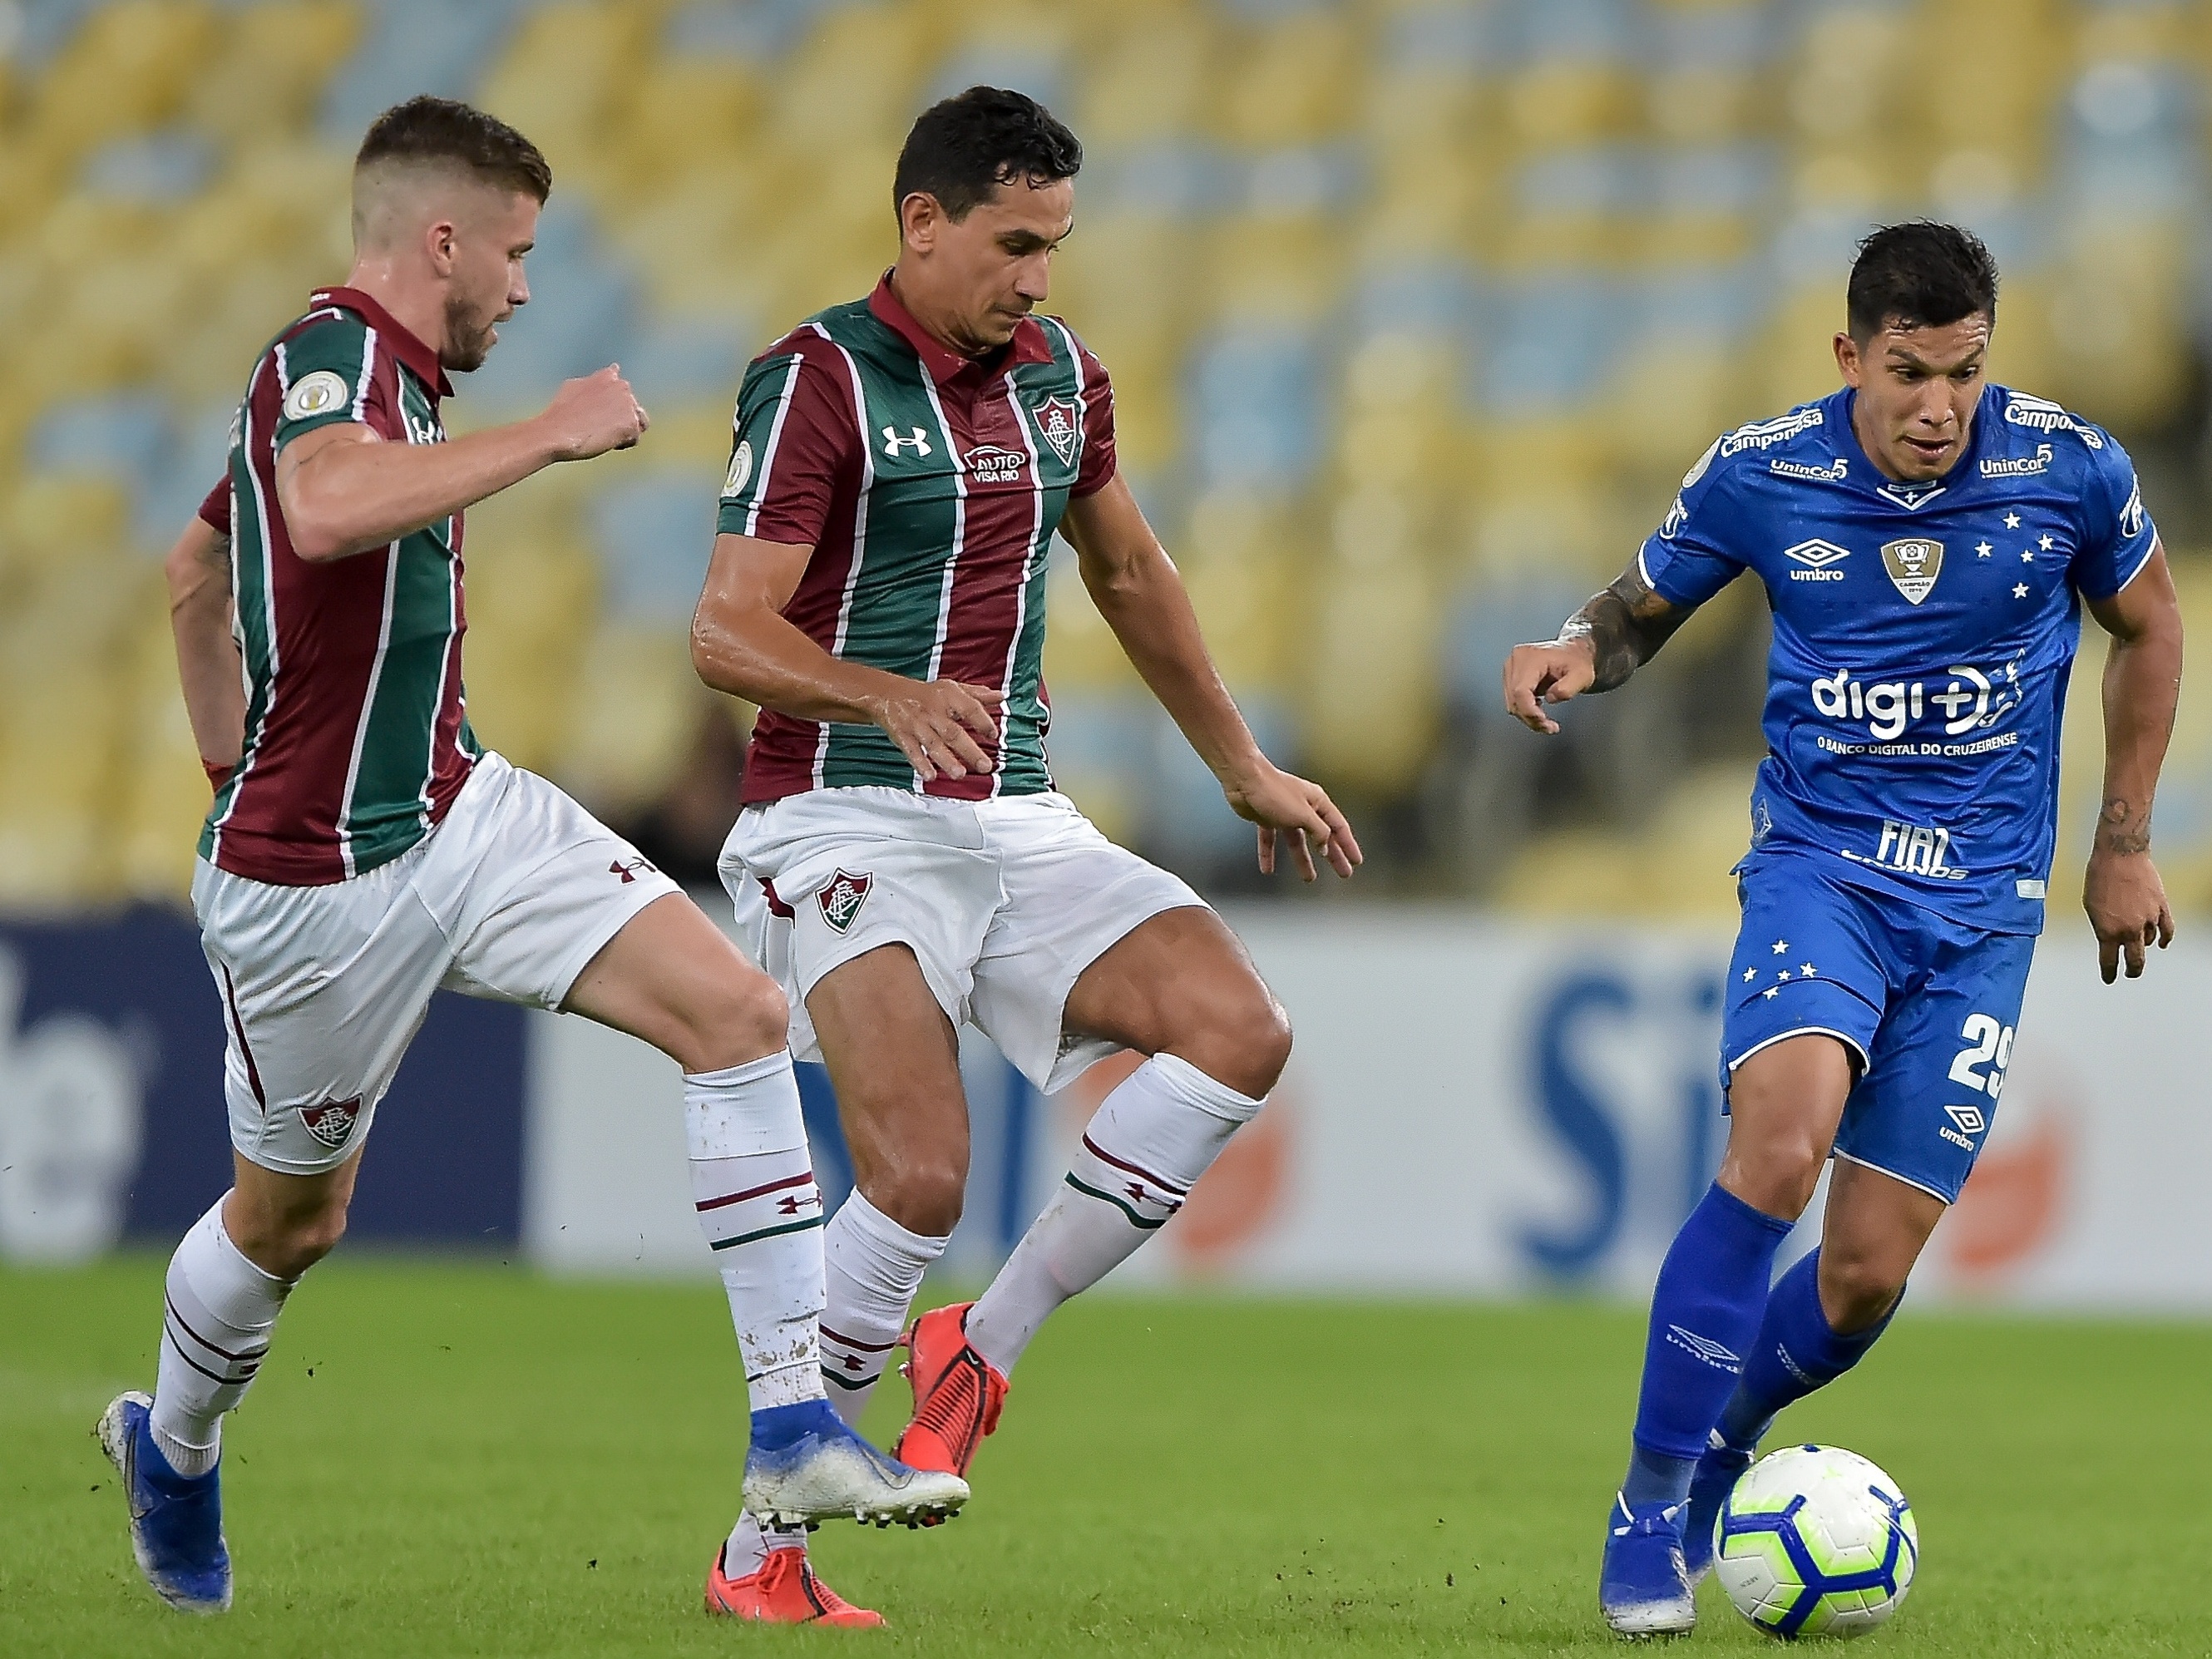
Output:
x=1815 y=1541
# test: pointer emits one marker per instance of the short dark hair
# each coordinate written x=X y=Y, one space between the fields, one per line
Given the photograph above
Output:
x=965 y=147
x=1920 y=275
x=444 y=131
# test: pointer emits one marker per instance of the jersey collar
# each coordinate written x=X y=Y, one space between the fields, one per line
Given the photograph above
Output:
x=945 y=366
x=420 y=360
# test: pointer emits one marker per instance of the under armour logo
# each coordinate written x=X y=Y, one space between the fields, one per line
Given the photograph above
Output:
x=628 y=871
x=796 y=1202
x=893 y=443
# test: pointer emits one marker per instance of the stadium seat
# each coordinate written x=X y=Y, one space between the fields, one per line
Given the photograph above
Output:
x=1287 y=81
x=266 y=77
x=1480 y=278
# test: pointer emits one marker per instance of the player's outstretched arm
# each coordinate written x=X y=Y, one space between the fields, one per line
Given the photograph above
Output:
x=1619 y=630
x=344 y=490
x=198 y=569
x=2123 y=893
x=741 y=644
x=1140 y=593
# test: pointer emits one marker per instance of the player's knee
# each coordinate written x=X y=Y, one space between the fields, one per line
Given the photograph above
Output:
x=741 y=1017
x=1857 y=1288
x=1778 y=1176
x=923 y=1195
x=288 y=1244
x=1237 y=1034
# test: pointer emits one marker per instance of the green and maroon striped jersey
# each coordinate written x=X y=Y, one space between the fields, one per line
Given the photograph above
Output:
x=356 y=737
x=928 y=485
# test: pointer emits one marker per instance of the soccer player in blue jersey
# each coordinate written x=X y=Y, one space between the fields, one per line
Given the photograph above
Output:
x=1927 y=541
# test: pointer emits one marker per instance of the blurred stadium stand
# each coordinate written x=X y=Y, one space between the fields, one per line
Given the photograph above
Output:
x=1416 y=309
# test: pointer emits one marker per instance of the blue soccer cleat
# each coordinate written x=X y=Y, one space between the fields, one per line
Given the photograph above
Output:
x=1642 y=1588
x=176 y=1521
x=1717 y=1472
x=804 y=1465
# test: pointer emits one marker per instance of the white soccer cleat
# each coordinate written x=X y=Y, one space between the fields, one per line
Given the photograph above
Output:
x=805 y=1466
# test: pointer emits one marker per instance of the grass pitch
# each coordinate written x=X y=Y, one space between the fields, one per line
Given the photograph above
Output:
x=467 y=1460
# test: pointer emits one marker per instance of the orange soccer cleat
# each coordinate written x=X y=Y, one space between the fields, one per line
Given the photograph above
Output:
x=783 y=1591
x=957 y=1394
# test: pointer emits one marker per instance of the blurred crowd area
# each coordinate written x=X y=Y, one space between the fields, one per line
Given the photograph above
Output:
x=1417 y=310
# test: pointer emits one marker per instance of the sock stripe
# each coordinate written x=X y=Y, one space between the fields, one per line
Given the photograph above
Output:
x=212 y=1376
x=1105 y=1157
x=253 y=1356
x=764 y=1232
x=1135 y=1220
x=864 y=1347
x=801 y=1180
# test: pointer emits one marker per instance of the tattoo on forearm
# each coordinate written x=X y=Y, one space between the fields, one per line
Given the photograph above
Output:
x=2122 y=828
x=1626 y=625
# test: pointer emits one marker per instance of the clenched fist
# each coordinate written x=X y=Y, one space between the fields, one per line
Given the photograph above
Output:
x=591 y=415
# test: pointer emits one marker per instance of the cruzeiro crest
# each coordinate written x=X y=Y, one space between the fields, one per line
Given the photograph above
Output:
x=841 y=901
x=1060 y=420
x=1913 y=564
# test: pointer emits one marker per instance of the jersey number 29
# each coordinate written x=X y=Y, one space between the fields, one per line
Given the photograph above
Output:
x=1992 y=1047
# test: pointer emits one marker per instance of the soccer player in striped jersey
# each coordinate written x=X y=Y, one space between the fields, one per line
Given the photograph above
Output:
x=903 y=863
x=1928 y=542
x=363 y=849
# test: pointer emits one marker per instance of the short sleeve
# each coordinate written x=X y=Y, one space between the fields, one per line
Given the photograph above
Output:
x=793 y=437
x=215 y=510
x=328 y=370
x=2117 y=536
x=1688 y=559
x=1099 y=462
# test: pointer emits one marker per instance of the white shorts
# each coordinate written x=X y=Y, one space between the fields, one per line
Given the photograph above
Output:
x=1004 y=903
x=323 y=988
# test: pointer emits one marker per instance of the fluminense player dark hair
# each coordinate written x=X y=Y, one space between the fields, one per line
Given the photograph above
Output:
x=442 y=130
x=963 y=147
x=1922 y=275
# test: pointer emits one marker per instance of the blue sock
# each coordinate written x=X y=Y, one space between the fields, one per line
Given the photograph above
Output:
x=780 y=1426
x=1706 y=1310
x=1796 y=1352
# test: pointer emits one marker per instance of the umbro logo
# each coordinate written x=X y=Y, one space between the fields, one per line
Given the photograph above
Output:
x=1716 y=1355
x=1970 y=1122
x=1816 y=553
x=1817 y=556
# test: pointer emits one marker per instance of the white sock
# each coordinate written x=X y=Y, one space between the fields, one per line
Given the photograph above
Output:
x=874 y=1270
x=750 y=1543
x=215 y=1333
x=1141 y=1156
x=762 y=1213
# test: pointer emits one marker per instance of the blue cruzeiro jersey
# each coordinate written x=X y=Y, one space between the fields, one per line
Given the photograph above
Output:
x=1922 y=637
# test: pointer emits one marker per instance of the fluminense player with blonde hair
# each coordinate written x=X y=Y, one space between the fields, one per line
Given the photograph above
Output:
x=364 y=849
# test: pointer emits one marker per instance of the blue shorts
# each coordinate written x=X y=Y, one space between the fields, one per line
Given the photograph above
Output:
x=1927 y=1005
